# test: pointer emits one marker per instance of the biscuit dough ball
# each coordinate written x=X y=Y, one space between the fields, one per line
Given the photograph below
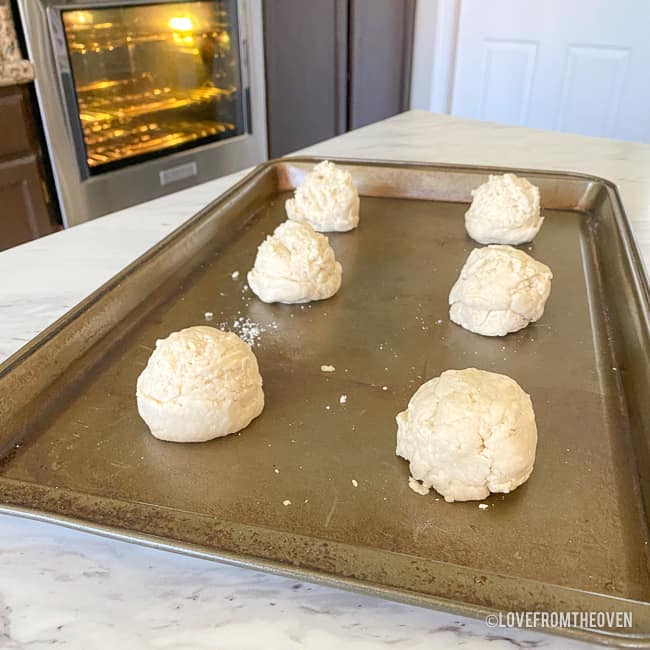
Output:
x=504 y=210
x=327 y=200
x=199 y=383
x=500 y=290
x=468 y=433
x=295 y=265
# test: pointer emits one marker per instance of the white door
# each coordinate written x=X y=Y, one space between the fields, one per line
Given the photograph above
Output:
x=581 y=66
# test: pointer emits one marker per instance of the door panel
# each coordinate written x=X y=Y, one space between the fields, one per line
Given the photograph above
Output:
x=507 y=80
x=579 y=66
x=24 y=214
x=15 y=138
x=593 y=82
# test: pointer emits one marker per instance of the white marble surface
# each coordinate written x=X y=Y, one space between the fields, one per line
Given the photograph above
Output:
x=63 y=587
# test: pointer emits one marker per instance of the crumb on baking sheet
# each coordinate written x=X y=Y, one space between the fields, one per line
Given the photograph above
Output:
x=327 y=368
x=234 y=275
x=355 y=483
x=248 y=331
x=343 y=399
x=209 y=315
x=483 y=506
x=286 y=502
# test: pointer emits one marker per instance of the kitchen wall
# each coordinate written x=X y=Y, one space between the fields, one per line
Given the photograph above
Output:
x=579 y=66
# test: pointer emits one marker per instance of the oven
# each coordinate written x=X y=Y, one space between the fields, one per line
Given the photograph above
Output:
x=140 y=98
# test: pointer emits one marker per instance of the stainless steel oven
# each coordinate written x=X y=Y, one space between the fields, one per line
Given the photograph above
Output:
x=144 y=97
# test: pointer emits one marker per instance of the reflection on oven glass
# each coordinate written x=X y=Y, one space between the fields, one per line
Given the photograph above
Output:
x=154 y=78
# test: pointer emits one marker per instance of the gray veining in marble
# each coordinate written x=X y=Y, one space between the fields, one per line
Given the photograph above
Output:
x=64 y=588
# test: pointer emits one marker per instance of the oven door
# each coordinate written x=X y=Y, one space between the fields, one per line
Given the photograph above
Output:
x=142 y=98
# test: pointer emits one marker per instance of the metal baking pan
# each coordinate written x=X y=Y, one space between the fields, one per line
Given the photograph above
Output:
x=574 y=537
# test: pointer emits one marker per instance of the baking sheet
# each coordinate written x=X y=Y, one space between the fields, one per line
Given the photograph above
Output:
x=574 y=537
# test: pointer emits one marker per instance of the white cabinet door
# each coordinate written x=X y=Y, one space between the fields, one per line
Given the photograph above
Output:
x=581 y=66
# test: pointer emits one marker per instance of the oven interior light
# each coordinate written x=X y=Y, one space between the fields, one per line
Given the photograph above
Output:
x=79 y=17
x=181 y=23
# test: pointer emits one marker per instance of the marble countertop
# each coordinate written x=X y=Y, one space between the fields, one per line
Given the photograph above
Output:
x=59 y=586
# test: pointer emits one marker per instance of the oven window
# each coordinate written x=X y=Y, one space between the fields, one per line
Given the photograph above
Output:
x=156 y=78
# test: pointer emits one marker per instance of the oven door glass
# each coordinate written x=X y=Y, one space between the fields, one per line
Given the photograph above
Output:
x=152 y=79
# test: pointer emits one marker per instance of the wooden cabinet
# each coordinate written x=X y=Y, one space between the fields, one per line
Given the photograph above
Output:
x=380 y=44
x=24 y=206
x=334 y=65
x=305 y=50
